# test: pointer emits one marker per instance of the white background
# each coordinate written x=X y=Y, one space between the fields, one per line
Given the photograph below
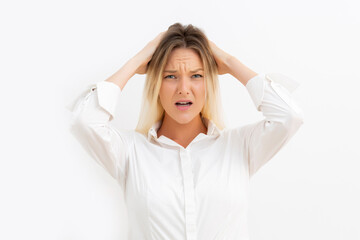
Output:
x=51 y=51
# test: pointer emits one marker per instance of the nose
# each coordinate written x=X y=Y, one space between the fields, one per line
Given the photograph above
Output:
x=183 y=85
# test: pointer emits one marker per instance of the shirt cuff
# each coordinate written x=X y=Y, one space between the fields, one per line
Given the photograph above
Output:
x=108 y=95
x=256 y=85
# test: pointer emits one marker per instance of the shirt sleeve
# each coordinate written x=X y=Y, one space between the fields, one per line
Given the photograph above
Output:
x=91 y=119
x=272 y=95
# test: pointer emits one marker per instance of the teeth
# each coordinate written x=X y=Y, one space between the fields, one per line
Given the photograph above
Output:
x=183 y=103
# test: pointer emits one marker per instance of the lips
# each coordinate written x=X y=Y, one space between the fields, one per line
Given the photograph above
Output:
x=184 y=102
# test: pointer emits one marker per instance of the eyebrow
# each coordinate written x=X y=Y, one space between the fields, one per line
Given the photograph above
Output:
x=174 y=71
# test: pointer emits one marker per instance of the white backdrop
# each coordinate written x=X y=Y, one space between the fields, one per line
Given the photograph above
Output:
x=51 y=51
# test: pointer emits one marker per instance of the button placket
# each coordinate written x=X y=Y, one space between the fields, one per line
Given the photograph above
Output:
x=189 y=195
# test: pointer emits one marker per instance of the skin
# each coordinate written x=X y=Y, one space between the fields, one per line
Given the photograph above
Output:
x=183 y=78
x=181 y=127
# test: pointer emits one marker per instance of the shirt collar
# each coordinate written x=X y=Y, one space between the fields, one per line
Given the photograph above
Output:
x=212 y=129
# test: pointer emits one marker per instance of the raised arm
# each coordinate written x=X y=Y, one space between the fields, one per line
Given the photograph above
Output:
x=92 y=115
x=271 y=94
x=137 y=64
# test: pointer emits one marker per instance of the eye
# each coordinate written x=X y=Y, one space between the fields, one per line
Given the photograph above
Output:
x=169 y=76
x=199 y=75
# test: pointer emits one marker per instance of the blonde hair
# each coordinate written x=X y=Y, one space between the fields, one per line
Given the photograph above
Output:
x=180 y=36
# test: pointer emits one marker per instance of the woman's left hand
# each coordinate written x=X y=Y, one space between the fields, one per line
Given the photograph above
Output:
x=221 y=57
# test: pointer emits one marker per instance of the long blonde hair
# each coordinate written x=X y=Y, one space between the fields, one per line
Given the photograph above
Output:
x=180 y=36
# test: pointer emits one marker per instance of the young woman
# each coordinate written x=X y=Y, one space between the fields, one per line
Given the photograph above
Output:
x=184 y=174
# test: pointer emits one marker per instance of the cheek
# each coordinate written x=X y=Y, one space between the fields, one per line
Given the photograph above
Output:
x=161 y=97
x=200 y=90
x=165 y=94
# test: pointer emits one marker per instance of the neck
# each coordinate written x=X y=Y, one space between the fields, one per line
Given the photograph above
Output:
x=181 y=132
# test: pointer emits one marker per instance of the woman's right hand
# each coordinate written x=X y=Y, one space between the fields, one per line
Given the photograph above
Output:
x=145 y=55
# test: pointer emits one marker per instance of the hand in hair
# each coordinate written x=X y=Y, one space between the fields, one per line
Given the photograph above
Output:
x=230 y=64
x=221 y=57
x=144 y=56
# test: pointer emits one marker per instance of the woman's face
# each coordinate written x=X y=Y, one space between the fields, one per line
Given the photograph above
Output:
x=183 y=80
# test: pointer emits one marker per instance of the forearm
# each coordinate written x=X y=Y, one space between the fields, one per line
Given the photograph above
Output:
x=122 y=76
x=239 y=70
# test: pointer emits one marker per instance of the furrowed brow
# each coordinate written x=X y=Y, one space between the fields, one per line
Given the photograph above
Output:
x=174 y=71
x=199 y=69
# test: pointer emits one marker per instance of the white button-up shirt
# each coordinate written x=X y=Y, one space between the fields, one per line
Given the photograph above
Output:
x=195 y=193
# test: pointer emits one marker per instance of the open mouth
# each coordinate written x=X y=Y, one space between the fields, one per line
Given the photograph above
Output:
x=183 y=103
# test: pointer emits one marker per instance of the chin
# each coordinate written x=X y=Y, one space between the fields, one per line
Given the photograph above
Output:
x=183 y=119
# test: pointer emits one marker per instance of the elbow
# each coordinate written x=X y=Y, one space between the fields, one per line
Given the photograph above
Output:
x=294 y=121
x=80 y=126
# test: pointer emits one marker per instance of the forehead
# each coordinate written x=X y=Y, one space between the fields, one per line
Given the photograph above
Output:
x=185 y=56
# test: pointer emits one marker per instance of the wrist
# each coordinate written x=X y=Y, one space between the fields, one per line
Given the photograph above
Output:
x=136 y=64
x=228 y=63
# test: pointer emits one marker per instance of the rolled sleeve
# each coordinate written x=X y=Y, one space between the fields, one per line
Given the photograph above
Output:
x=108 y=96
x=256 y=85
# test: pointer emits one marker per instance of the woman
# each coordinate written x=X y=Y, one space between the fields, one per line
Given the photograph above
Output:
x=184 y=175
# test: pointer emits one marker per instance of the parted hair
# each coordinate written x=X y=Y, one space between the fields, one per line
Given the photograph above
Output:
x=180 y=36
